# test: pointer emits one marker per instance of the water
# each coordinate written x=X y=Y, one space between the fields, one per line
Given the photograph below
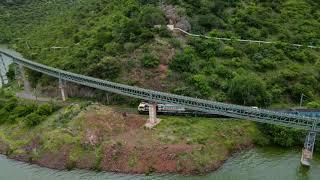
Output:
x=257 y=164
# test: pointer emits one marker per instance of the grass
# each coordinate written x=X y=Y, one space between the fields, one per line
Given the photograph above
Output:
x=210 y=139
x=216 y=138
x=198 y=130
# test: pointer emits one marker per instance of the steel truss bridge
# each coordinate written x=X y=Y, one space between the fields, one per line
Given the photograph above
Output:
x=230 y=110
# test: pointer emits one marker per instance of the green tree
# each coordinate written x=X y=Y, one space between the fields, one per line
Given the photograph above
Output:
x=183 y=62
x=107 y=68
x=201 y=84
x=151 y=16
x=249 y=90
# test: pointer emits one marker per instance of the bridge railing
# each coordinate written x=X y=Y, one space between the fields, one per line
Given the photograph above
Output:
x=236 y=111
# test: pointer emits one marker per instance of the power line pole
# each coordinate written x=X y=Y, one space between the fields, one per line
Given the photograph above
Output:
x=301 y=99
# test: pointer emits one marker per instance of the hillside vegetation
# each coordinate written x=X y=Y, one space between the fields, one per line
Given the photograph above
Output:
x=116 y=40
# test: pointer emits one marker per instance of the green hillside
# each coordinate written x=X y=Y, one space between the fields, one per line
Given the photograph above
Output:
x=116 y=40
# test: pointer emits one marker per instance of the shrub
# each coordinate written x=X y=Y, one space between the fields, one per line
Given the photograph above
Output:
x=108 y=68
x=182 y=62
x=4 y=114
x=283 y=136
x=11 y=104
x=146 y=35
x=229 y=51
x=24 y=110
x=11 y=74
x=249 y=90
x=149 y=61
x=313 y=104
x=45 y=110
x=33 y=119
x=201 y=84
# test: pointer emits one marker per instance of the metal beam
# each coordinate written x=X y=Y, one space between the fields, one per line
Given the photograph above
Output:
x=230 y=110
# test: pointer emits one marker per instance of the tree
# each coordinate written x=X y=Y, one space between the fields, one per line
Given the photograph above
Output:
x=149 y=61
x=249 y=90
x=108 y=68
x=182 y=62
x=201 y=84
x=151 y=16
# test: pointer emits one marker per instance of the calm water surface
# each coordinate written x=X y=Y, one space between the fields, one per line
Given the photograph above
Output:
x=257 y=164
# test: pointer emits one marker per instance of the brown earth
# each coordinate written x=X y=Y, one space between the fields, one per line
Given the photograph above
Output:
x=125 y=145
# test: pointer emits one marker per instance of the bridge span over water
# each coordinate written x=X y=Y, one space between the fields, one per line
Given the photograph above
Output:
x=236 y=111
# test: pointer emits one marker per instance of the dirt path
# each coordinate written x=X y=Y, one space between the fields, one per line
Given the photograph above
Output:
x=28 y=96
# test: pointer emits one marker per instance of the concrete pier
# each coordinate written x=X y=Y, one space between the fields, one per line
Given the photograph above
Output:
x=1 y=80
x=153 y=120
x=26 y=84
x=306 y=157
x=3 y=71
x=62 y=85
x=307 y=151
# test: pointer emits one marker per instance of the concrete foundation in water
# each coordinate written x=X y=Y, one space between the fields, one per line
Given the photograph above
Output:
x=306 y=157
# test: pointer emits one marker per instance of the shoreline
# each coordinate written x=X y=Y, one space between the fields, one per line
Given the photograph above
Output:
x=214 y=167
x=100 y=138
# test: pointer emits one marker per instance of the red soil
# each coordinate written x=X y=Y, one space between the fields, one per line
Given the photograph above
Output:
x=125 y=144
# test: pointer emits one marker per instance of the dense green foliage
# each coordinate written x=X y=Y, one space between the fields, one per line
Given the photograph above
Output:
x=13 y=110
x=149 y=61
x=109 y=39
x=283 y=136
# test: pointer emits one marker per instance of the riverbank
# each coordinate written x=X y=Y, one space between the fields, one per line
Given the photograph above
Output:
x=97 y=137
x=263 y=163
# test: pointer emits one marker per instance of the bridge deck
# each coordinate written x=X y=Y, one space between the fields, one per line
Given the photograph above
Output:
x=230 y=110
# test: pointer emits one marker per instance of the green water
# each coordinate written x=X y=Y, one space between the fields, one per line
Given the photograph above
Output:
x=257 y=164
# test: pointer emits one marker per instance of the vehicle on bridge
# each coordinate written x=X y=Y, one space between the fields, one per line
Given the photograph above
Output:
x=172 y=109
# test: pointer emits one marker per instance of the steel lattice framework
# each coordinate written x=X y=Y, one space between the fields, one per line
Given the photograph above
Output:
x=230 y=110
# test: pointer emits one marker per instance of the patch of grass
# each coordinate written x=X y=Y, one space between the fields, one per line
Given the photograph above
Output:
x=213 y=138
x=133 y=159
x=199 y=130
x=54 y=139
x=99 y=156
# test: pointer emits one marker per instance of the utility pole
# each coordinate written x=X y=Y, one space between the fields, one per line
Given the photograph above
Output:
x=301 y=99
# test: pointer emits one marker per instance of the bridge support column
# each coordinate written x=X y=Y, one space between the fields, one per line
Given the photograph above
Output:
x=307 y=151
x=26 y=83
x=17 y=76
x=152 y=121
x=3 y=71
x=62 y=85
x=1 y=79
